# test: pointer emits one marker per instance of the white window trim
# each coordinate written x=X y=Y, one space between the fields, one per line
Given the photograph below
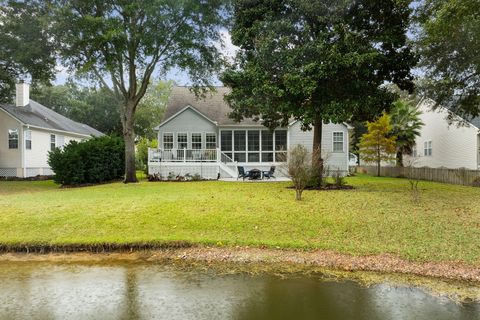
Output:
x=187 y=142
x=206 y=142
x=427 y=148
x=18 y=138
x=201 y=140
x=54 y=142
x=163 y=140
x=333 y=141
x=28 y=137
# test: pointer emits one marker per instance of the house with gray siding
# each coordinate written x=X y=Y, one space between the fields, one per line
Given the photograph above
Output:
x=197 y=136
x=29 y=130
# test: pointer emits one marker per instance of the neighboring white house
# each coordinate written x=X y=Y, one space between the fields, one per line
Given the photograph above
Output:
x=28 y=131
x=197 y=136
x=445 y=144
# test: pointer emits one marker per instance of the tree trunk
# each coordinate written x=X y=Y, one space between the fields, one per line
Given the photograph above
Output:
x=317 y=160
x=129 y=138
x=298 y=194
x=399 y=159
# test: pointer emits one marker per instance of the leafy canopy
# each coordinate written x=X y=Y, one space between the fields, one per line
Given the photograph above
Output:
x=448 y=43
x=406 y=125
x=317 y=59
x=26 y=50
x=378 y=144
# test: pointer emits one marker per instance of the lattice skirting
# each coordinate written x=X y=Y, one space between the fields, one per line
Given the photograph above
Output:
x=29 y=172
x=8 y=172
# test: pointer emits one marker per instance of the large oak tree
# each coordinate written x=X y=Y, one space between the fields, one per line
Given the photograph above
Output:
x=121 y=44
x=317 y=61
x=448 y=42
x=26 y=48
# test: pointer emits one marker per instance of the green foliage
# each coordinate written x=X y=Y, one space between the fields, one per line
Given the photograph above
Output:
x=26 y=50
x=448 y=44
x=99 y=109
x=317 y=60
x=378 y=144
x=95 y=107
x=406 y=125
x=142 y=153
x=128 y=42
x=92 y=161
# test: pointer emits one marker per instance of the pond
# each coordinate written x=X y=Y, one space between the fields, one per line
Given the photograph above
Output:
x=154 y=291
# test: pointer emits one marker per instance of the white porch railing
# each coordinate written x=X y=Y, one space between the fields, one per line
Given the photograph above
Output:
x=187 y=155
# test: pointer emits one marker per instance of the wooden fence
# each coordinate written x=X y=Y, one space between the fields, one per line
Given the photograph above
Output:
x=459 y=176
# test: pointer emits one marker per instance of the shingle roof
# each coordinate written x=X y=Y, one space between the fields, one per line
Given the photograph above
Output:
x=213 y=106
x=37 y=115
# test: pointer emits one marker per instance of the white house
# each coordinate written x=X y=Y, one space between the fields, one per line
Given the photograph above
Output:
x=28 y=131
x=445 y=144
x=197 y=136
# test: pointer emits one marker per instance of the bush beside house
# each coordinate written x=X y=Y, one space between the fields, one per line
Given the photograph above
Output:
x=93 y=161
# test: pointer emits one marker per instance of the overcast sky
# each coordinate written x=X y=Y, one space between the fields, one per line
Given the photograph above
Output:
x=176 y=75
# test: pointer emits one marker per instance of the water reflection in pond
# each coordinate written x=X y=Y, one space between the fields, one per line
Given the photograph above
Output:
x=129 y=291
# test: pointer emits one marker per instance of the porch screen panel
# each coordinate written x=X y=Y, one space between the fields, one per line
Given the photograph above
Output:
x=267 y=146
x=182 y=141
x=280 y=145
x=253 y=145
x=226 y=142
x=239 y=145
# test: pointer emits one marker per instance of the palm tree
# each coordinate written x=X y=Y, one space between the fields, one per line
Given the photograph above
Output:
x=406 y=125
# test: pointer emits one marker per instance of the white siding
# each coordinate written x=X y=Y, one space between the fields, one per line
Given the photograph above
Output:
x=335 y=160
x=37 y=157
x=9 y=158
x=452 y=146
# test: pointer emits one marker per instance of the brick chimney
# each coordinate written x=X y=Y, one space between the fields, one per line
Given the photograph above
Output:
x=22 y=97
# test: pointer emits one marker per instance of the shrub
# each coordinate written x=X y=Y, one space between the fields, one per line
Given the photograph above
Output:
x=93 y=161
x=299 y=168
x=141 y=157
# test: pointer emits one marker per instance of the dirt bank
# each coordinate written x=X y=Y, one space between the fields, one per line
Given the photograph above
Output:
x=245 y=255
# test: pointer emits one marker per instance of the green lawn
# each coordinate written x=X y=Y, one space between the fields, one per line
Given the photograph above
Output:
x=377 y=217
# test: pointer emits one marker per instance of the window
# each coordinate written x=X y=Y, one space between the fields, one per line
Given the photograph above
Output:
x=210 y=141
x=427 y=148
x=196 y=141
x=414 y=151
x=60 y=141
x=167 y=141
x=53 y=141
x=182 y=141
x=28 y=140
x=338 y=142
x=13 y=139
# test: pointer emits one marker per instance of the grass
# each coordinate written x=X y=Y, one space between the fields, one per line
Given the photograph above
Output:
x=377 y=217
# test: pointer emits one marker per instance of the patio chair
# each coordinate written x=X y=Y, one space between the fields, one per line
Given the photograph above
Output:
x=242 y=173
x=269 y=174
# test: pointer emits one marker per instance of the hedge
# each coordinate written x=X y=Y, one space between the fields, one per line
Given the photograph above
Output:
x=92 y=161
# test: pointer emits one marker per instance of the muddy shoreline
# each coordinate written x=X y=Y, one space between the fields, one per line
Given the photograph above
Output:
x=178 y=252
